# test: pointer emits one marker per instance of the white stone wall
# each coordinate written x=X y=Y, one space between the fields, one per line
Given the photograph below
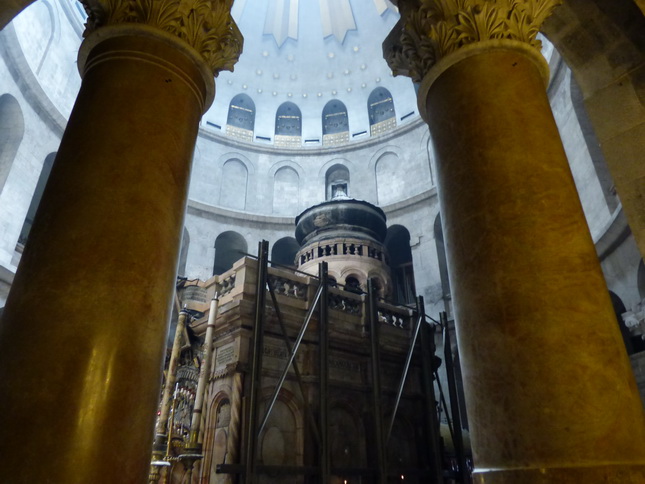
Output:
x=577 y=150
x=41 y=137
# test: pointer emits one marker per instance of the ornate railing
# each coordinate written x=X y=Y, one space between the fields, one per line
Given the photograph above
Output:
x=358 y=248
x=287 y=286
x=345 y=301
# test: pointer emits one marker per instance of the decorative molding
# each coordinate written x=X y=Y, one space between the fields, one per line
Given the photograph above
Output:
x=206 y=25
x=281 y=20
x=438 y=28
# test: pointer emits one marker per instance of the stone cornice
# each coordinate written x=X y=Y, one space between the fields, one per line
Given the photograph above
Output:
x=205 y=25
x=433 y=29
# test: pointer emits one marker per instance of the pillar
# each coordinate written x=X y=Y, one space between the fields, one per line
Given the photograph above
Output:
x=549 y=390
x=83 y=332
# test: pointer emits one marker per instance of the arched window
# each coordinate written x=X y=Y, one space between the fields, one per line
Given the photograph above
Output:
x=380 y=109
x=397 y=243
x=336 y=182
x=443 y=264
x=335 y=123
x=288 y=126
x=284 y=252
x=241 y=118
x=390 y=181
x=233 y=185
x=286 y=191
x=35 y=199
x=12 y=129
x=352 y=284
x=229 y=248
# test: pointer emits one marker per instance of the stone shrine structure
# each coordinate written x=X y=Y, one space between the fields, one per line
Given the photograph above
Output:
x=509 y=165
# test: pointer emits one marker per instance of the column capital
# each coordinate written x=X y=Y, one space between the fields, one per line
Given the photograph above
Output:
x=205 y=25
x=430 y=30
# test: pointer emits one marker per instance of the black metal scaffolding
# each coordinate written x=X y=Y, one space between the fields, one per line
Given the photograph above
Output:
x=321 y=471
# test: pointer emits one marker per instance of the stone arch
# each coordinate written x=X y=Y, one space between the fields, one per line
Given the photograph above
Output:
x=12 y=130
x=286 y=191
x=426 y=144
x=397 y=243
x=229 y=248
x=380 y=110
x=380 y=106
x=43 y=37
x=284 y=252
x=383 y=290
x=390 y=184
x=234 y=184
x=281 y=441
x=353 y=280
x=337 y=180
x=241 y=112
x=36 y=198
x=334 y=118
x=216 y=434
x=288 y=120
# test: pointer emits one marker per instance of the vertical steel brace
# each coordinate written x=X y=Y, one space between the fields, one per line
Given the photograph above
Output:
x=323 y=342
x=454 y=404
x=430 y=410
x=256 y=368
x=376 y=383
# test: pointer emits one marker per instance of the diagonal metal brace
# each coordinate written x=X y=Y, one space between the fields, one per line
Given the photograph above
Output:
x=292 y=355
x=404 y=376
x=296 y=370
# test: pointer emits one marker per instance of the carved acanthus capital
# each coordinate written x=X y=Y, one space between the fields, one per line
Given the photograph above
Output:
x=431 y=29
x=206 y=25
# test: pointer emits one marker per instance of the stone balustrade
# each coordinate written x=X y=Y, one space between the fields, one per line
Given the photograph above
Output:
x=343 y=247
x=298 y=287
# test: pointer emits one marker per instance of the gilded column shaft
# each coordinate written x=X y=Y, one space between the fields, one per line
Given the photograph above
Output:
x=549 y=389
x=171 y=376
x=83 y=331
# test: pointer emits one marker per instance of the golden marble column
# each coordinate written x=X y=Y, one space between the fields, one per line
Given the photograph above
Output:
x=549 y=388
x=83 y=331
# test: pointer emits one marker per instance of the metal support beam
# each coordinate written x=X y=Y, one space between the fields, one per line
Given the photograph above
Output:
x=292 y=356
x=256 y=367
x=376 y=382
x=454 y=403
x=323 y=342
x=292 y=353
x=406 y=368
x=434 y=450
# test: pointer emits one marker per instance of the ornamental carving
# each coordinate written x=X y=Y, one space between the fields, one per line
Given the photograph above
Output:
x=440 y=27
x=206 y=25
